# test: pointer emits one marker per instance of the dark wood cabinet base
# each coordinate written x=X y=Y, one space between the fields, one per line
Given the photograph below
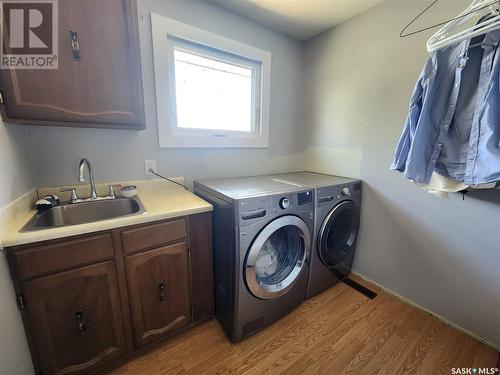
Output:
x=90 y=302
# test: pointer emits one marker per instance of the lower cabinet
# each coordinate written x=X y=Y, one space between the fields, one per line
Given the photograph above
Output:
x=75 y=318
x=90 y=301
x=158 y=284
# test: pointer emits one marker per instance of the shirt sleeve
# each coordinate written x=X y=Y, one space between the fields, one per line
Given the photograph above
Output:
x=403 y=148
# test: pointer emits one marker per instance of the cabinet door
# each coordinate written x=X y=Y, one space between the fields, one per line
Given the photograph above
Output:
x=102 y=89
x=158 y=291
x=75 y=319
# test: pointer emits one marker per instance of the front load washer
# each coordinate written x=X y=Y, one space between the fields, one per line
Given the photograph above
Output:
x=337 y=217
x=262 y=239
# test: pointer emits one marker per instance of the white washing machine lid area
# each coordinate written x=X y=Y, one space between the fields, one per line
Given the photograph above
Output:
x=247 y=187
x=310 y=179
x=338 y=233
x=277 y=257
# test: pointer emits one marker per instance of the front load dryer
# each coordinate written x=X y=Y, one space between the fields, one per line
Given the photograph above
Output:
x=262 y=239
x=337 y=217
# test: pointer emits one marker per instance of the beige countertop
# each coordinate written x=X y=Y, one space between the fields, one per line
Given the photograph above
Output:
x=161 y=199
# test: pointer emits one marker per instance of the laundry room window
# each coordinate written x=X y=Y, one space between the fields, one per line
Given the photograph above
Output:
x=211 y=91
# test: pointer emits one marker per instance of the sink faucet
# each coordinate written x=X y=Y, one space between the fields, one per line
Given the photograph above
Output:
x=85 y=162
x=93 y=191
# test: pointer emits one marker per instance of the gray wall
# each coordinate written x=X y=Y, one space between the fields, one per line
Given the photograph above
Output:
x=16 y=179
x=443 y=254
x=120 y=154
x=15 y=162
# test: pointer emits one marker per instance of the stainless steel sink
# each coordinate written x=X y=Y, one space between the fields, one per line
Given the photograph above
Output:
x=86 y=212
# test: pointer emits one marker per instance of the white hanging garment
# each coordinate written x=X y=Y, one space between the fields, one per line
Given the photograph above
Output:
x=441 y=185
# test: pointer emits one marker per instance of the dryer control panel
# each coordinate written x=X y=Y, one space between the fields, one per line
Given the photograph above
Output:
x=331 y=195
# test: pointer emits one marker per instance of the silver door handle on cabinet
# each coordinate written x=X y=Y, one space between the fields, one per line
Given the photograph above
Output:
x=161 y=286
x=80 y=321
x=75 y=45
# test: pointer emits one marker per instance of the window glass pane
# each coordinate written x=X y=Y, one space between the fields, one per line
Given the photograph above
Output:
x=211 y=94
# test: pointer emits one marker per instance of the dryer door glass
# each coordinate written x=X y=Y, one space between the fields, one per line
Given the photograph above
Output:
x=276 y=257
x=337 y=236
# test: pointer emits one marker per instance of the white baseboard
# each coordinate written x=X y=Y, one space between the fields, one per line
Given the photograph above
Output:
x=444 y=320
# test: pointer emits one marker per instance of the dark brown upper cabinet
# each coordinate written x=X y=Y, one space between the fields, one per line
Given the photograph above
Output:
x=101 y=89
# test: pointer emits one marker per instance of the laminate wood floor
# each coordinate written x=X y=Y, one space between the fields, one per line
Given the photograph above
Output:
x=338 y=332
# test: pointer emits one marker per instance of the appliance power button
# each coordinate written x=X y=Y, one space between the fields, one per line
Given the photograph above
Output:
x=284 y=203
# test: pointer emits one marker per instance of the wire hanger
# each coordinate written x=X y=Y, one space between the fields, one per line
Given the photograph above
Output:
x=463 y=15
x=448 y=35
x=402 y=35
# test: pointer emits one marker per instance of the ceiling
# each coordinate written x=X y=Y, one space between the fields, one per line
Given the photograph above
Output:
x=300 y=19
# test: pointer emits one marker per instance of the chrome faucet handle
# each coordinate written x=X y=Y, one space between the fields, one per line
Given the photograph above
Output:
x=112 y=193
x=73 y=197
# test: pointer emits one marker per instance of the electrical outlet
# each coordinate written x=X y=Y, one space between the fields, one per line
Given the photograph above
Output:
x=149 y=165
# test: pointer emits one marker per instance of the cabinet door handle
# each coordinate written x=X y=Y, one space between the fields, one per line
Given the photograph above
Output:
x=161 y=286
x=81 y=322
x=75 y=45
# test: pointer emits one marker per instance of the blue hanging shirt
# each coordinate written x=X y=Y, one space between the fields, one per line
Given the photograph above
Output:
x=453 y=126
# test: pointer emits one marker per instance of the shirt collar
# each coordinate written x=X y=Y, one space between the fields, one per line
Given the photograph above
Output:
x=491 y=39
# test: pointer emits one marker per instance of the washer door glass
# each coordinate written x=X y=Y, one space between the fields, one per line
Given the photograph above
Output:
x=277 y=256
x=337 y=236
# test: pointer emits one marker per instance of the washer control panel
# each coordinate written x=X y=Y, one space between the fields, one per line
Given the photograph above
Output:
x=284 y=203
x=254 y=209
x=305 y=197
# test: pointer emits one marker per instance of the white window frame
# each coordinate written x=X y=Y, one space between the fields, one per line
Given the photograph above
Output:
x=167 y=34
